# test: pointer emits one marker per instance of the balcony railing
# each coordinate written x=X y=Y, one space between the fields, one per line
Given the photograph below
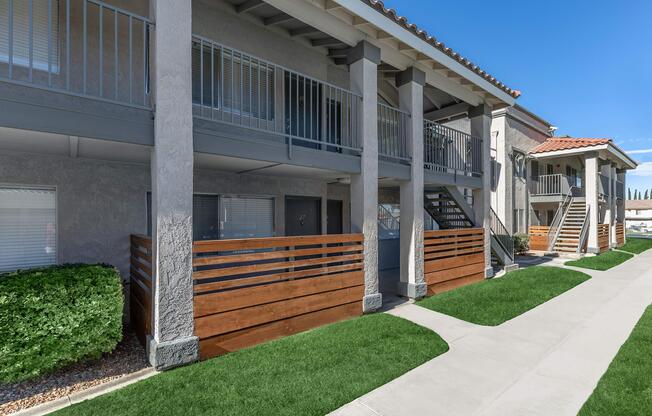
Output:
x=604 y=185
x=450 y=150
x=80 y=47
x=620 y=190
x=233 y=87
x=554 y=185
x=393 y=133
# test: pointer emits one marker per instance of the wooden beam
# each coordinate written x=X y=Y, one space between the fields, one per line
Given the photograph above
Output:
x=423 y=58
x=404 y=47
x=331 y=5
x=308 y=30
x=359 y=21
x=276 y=19
x=248 y=5
x=447 y=112
x=338 y=53
x=339 y=61
x=383 y=35
x=326 y=42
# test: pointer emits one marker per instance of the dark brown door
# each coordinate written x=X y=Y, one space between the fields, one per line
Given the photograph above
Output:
x=334 y=217
x=302 y=216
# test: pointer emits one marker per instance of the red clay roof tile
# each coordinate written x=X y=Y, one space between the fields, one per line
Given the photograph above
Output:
x=553 y=144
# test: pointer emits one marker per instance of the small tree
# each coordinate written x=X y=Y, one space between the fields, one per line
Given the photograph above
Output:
x=635 y=194
x=647 y=194
x=629 y=193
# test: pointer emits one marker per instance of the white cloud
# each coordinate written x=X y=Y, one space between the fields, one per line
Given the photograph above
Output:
x=639 y=151
x=644 y=169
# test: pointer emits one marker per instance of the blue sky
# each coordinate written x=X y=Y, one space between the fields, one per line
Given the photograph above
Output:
x=585 y=66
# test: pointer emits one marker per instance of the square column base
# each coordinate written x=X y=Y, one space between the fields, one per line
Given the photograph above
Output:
x=488 y=272
x=170 y=354
x=371 y=303
x=412 y=290
x=511 y=267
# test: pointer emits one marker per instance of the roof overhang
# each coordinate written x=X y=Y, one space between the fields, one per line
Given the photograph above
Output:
x=351 y=21
x=606 y=151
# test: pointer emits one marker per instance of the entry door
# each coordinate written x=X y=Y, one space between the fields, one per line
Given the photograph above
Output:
x=334 y=217
x=302 y=216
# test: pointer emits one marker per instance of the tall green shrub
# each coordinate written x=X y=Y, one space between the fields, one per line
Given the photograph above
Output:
x=55 y=316
x=521 y=243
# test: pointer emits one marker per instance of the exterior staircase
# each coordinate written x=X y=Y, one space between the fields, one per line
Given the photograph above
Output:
x=568 y=239
x=448 y=208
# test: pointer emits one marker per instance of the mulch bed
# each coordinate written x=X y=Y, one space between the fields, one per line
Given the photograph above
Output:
x=128 y=357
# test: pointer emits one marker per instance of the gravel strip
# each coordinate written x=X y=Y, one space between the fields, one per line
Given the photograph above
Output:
x=128 y=357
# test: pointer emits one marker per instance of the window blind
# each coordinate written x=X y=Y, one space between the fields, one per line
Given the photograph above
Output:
x=246 y=217
x=28 y=228
x=43 y=11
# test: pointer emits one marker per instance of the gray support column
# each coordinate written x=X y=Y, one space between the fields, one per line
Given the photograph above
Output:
x=410 y=90
x=363 y=61
x=481 y=127
x=613 y=206
x=591 y=166
x=173 y=342
x=621 y=208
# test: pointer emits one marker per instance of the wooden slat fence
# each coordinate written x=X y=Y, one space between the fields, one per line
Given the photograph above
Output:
x=453 y=258
x=620 y=234
x=603 y=237
x=248 y=291
x=538 y=237
x=140 y=287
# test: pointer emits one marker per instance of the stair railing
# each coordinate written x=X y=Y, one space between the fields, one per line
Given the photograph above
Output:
x=503 y=236
x=558 y=219
x=584 y=233
x=387 y=220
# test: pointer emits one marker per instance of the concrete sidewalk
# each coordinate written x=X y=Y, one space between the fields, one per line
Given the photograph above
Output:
x=544 y=362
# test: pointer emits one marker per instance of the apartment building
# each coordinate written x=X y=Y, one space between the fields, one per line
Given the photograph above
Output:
x=229 y=157
x=566 y=193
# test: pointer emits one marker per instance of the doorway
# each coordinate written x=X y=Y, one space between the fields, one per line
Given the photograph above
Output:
x=334 y=217
x=302 y=215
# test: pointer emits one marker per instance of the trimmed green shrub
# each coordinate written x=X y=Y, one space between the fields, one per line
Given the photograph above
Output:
x=55 y=316
x=521 y=243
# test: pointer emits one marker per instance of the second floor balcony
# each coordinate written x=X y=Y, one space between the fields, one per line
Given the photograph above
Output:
x=89 y=61
x=553 y=188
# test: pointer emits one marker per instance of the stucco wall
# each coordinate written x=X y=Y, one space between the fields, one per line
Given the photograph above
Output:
x=100 y=203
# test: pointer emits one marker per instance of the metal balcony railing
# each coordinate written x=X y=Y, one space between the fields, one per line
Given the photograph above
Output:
x=620 y=190
x=393 y=133
x=604 y=185
x=554 y=185
x=450 y=150
x=80 y=47
x=233 y=87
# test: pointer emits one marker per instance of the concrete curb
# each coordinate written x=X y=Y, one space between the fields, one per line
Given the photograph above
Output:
x=80 y=396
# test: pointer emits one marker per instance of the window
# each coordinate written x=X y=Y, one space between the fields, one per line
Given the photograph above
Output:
x=241 y=85
x=222 y=217
x=28 y=227
x=44 y=20
x=519 y=165
x=246 y=217
x=573 y=178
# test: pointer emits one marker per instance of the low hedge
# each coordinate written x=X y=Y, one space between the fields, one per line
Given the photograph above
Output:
x=55 y=316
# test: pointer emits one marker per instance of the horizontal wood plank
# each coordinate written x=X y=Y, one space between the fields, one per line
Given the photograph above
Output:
x=233 y=341
x=452 y=274
x=208 y=326
x=270 y=255
x=237 y=299
x=272 y=242
x=281 y=265
x=201 y=287
x=456 y=232
x=452 y=262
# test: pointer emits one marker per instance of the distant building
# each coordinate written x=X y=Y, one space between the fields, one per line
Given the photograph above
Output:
x=638 y=215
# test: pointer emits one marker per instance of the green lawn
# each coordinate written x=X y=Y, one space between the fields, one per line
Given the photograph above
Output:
x=492 y=302
x=626 y=387
x=637 y=245
x=311 y=373
x=604 y=261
